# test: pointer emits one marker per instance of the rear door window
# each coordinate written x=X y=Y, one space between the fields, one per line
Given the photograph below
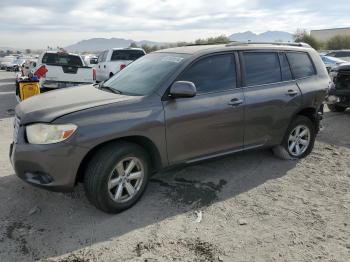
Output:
x=104 y=56
x=261 y=68
x=285 y=68
x=126 y=55
x=100 y=57
x=212 y=74
x=300 y=64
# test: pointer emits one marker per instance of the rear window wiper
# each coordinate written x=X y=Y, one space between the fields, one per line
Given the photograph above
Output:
x=110 y=89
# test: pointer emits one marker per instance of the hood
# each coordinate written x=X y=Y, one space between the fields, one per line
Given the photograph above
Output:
x=344 y=66
x=48 y=106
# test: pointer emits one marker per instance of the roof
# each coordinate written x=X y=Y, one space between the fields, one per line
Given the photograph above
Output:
x=58 y=51
x=197 y=49
x=127 y=48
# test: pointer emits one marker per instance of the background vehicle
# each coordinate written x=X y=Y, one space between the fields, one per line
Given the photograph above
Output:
x=90 y=60
x=15 y=65
x=169 y=108
x=113 y=60
x=331 y=62
x=7 y=61
x=339 y=96
x=64 y=70
x=342 y=54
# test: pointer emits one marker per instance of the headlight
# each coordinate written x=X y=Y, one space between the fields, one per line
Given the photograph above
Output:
x=49 y=134
x=333 y=99
x=333 y=74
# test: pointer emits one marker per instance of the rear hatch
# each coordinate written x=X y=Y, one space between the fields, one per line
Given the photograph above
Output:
x=65 y=70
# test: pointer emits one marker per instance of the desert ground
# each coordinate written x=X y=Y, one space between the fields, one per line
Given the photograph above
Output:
x=246 y=207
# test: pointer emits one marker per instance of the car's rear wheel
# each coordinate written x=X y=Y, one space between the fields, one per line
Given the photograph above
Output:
x=298 y=141
x=336 y=108
x=117 y=176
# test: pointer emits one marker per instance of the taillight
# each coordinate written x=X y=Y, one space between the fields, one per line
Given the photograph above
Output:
x=94 y=74
x=122 y=67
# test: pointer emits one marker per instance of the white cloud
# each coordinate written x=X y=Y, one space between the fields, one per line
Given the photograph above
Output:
x=62 y=22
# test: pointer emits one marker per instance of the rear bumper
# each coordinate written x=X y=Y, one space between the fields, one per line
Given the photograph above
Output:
x=53 y=85
x=53 y=167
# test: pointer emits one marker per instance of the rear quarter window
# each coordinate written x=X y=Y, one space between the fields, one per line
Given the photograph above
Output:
x=301 y=64
x=286 y=72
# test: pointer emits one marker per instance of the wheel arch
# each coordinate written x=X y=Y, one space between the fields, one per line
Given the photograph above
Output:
x=309 y=112
x=313 y=114
x=142 y=141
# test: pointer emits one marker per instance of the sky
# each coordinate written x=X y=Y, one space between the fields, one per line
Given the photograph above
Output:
x=37 y=24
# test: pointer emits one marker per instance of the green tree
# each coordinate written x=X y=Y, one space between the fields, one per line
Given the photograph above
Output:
x=178 y=44
x=303 y=36
x=147 y=48
x=338 y=42
x=133 y=45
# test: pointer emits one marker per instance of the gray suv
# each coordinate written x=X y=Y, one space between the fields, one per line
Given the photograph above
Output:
x=172 y=107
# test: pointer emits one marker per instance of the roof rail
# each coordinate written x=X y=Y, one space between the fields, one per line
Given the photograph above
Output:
x=268 y=43
x=215 y=43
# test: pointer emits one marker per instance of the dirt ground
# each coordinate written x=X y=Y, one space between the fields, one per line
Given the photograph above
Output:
x=254 y=207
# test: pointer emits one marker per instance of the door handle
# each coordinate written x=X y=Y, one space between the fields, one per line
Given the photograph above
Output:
x=235 y=102
x=292 y=93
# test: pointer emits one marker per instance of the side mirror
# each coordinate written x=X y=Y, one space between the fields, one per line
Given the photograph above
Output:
x=182 y=89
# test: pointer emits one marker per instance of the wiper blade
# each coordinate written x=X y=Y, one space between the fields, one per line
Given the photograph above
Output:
x=110 y=89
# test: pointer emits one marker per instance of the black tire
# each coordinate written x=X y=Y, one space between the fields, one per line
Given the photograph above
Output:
x=336 y=108
x=98 y=173
x=282 y=151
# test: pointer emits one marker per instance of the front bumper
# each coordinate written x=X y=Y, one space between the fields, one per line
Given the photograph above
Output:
x=339 y=99
x=53 y=167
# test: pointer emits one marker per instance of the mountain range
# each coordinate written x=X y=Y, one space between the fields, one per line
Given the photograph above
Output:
x=269 y=36
x=100 y=44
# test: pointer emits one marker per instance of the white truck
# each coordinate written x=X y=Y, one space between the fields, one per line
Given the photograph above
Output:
x=64 y=70
x=90 y=60
x=113 y=60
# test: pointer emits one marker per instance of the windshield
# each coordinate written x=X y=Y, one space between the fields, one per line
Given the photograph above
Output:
x=144 y=75
x=62 y=59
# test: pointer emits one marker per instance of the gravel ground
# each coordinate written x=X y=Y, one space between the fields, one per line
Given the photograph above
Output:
x=252 y=207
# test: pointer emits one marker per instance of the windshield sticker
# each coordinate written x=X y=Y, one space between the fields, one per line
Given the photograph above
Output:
x=173 y=59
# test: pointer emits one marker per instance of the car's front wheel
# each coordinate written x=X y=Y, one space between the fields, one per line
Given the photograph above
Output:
x=336 y=108
x=298 y=141
x=117 y=176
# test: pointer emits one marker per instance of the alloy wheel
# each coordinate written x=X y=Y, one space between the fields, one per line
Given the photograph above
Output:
x=299 y=140
x=126 y=179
